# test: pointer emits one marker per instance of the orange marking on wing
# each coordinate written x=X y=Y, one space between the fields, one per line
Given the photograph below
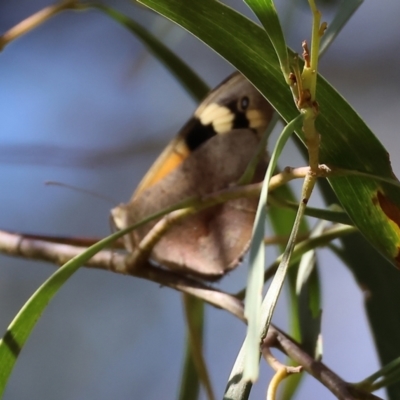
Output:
x=173 y=161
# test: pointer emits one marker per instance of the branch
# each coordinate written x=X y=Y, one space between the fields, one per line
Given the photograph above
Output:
x=341 y=389
x=25 y=246
x=37 y=19
x=30 y=247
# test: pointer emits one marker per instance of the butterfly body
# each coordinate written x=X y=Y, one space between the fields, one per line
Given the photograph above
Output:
x=209 y=154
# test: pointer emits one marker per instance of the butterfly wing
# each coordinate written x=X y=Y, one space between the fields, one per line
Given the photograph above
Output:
x=234 y=104
x=210 y=153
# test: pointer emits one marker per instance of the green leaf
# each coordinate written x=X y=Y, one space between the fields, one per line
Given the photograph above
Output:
x=324 y=240
x=270 y=299
x=346 y=140
x=385 y=376
x=257 y=265
x=308 y=293
x=195 y=369
x=266 y=12
x=281 y=221
x=328 y=215
x=380 y=284
x=190 y=384
x=344 y=12
x=21 y=327
x=184 y=74
x=237 y=387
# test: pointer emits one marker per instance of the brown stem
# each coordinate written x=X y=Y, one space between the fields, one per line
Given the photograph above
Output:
x=340 y=388
x=23 y=246
x=36 y=19
x=19 y=245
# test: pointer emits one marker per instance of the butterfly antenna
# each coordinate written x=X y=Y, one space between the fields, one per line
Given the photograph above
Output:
x=82 y=190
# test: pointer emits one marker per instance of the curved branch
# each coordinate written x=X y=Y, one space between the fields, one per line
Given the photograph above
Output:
x=37 y=19
x=31 y=247
x=26 y=246
x=341 y=389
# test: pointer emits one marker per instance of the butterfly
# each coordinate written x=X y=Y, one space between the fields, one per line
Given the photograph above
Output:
x=210 y=153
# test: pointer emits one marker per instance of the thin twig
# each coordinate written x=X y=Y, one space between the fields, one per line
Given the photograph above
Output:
x=18 y=245
x=36 y=20
x=340 y=388
x=281 y=371
x=23 y=246
x=329 y=234
x=281 y=374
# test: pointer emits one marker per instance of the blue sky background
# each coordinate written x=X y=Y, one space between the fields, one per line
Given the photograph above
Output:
x=83 y=103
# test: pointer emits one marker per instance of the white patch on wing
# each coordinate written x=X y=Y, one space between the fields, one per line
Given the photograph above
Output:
x=222 y=127
x=256 y=118
x=220 y=117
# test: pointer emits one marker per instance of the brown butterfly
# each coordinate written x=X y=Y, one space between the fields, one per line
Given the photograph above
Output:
x=210 y=153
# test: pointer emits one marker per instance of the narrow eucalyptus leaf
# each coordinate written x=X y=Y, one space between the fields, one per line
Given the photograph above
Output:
x=346 y=141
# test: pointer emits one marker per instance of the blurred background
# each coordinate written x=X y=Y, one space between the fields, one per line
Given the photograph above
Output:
x=84 y=103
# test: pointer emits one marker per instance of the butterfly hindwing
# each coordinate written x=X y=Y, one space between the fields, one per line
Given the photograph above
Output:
x=209 y=154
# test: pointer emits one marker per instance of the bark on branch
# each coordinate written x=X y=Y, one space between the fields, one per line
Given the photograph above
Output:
x=48 y=249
